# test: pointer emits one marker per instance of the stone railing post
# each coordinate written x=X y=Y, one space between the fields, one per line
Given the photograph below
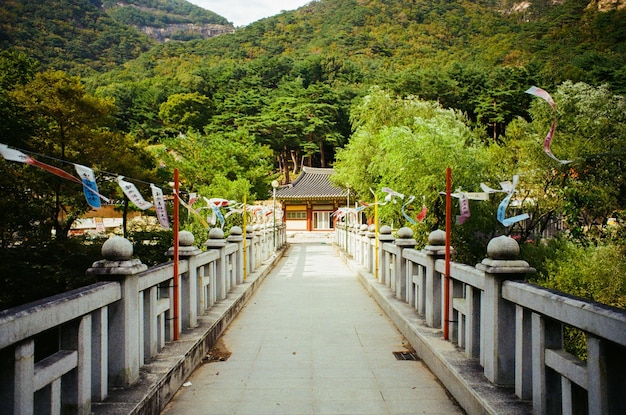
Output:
x=257 y=251
x=436 y=249
x=363 y=244
x=236 y=237
x=250 y=249
x=217 y=242
x=371 y=249
x=384 y=236
x=123 y=336
x=499 y=315
x=404 y=241
x=189 y=281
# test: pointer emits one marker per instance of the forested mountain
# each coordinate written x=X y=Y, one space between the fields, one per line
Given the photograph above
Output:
x=78 y=36
x=166 y=20
x=477 y=57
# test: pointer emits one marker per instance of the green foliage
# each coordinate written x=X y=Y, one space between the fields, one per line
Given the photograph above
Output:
x=159 y=13
x=407 y=144
x=32 y=271
x=184 y=111
x=235 y=163
x=150 y=245
x=75 y=36
x=63 y=123
x=592 y=273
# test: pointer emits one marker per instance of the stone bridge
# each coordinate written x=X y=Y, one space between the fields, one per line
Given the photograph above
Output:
x=126 y=344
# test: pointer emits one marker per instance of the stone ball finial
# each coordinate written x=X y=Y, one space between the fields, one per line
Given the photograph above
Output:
x=216 y=233
x=385 y=229
x=186 y=238
x=117 y=249
x=405 y=233
x=503 y=247
x=364 y=228
x=372 y=228
x=437 y=238
x=236 y=230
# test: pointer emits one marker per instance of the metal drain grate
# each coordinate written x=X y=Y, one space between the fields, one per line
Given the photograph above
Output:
x=405 y=355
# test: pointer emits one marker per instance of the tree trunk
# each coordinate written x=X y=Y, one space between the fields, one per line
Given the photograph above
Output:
x=283 y=156
x=294 y=159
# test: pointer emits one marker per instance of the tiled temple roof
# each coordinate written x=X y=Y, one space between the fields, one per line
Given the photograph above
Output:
x=312 y=183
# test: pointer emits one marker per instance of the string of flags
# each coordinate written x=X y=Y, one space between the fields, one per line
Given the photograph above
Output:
x=86 y=178
x=90 y=189
x=538 y=92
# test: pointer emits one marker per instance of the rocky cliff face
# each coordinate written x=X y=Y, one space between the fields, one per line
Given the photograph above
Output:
x=185 y=31
x=606 y=5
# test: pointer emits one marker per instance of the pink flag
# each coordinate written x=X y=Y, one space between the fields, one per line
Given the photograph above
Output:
x=464 y=208
x=422 y=215
x=538 y=92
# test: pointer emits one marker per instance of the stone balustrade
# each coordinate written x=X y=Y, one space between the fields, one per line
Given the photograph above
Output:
x=65 y=353
x=508 y=329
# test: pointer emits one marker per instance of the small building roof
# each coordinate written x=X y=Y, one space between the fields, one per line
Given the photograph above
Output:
x=312 y=183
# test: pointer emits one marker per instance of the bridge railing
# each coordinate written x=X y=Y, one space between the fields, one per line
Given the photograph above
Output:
x=513 y=328
x=62 y=353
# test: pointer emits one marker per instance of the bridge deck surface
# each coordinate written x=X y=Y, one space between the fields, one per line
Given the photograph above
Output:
x=311 y=341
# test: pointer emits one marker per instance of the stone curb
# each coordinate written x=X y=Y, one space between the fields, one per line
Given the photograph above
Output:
x=461 y=376
x=162 y=376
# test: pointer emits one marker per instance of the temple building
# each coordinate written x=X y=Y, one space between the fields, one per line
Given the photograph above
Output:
x=309 y=201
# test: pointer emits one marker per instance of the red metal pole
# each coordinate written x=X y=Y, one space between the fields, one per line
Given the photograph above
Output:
x=176 y=277
x=446 y=283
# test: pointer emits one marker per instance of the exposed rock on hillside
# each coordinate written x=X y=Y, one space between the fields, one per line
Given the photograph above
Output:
x=185 y=31
x=607 y=5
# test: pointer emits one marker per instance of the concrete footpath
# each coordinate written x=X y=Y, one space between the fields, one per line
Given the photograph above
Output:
x=311 y=341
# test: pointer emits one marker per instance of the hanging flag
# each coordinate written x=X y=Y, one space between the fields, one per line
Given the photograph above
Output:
x=133 y=194
x=464 y=208
x=406 y=216
x=391 y=194
x=200 y=218
x=16 y=155
x=422 y=215
x=217 y=213
x=159 y=206
x=219 y=202
x=509 y=187
x=90 y=188
x=192 y=198
x=538 y=92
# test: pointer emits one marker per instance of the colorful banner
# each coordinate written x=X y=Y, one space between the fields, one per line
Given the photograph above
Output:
x=159 y=206
x=464 y=208
x=90 y=188
x=217 y=213
x=406 y=216
x=16 y=155
x=422 y=215
x=391 y=194
x=538 y=92
x=133 y=194
x=509 y=187
x=189 y=208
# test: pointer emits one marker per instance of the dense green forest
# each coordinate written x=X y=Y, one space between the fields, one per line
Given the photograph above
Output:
x=387 y=92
